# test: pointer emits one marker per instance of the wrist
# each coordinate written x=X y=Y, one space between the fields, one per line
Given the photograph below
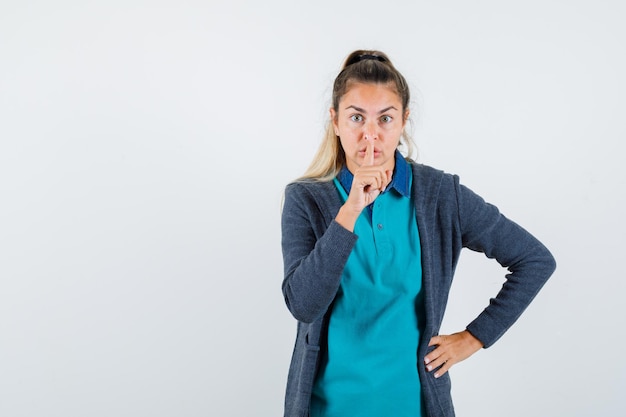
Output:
x=473 y=340
x=347 y=217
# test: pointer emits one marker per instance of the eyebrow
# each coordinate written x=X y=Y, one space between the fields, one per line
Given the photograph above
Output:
x=363 y=110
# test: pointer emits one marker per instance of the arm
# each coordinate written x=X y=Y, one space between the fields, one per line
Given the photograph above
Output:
x=314 y=256
x=528 y=261
x=530 y=264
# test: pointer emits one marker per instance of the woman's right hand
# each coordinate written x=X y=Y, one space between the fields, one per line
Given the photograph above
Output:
x=369 y=182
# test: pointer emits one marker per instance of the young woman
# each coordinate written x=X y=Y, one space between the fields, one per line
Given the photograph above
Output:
x=370 y=242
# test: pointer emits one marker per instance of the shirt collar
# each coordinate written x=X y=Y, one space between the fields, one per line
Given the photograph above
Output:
x=400 y=181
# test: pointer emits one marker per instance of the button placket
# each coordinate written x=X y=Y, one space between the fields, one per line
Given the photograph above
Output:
x=381 y=240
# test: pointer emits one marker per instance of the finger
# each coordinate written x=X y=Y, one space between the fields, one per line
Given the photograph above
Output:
x=370 y=181
x=436 y=340
x=381 y=180
x=369 y=153
x=431 y=359
x=437 y=352
x=434 y=360
x=373 y=195
x=437 y=362
x=441 y=364
x=444 y=368
x=386 y=180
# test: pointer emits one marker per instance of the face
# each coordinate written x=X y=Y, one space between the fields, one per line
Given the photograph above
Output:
x=369 y=112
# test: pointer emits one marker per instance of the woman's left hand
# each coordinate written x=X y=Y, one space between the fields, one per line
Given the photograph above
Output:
x=450 y=350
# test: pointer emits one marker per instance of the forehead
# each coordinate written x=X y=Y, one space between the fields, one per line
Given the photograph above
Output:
x=371 y=93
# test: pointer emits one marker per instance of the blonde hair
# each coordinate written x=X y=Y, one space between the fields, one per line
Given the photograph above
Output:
x=361 y=66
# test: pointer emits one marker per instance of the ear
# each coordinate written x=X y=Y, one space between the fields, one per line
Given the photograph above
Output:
x=406 y=117
x=333 y=120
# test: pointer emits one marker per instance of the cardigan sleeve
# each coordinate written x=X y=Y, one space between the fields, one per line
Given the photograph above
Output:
x=314 y=255
x=528 y=261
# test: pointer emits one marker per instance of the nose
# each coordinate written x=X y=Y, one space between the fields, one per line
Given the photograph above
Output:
x=370 y=130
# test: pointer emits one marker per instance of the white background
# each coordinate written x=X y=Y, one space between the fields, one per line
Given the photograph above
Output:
x=145 y=145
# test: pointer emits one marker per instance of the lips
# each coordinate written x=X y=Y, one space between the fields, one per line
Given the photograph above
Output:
x=363 y=152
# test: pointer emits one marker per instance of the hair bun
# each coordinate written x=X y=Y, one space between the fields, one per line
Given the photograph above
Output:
x=364 y=57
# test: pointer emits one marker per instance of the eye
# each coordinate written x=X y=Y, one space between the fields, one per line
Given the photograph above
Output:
x=356 y=118
x=386 y=119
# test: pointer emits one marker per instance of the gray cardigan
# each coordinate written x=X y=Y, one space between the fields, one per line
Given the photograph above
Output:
x=449 y=218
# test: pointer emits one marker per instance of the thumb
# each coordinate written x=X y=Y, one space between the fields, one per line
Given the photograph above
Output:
x=435 y=340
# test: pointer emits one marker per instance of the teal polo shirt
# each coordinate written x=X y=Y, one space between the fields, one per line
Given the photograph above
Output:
x=370 y=367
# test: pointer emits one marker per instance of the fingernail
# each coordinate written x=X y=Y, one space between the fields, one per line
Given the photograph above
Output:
x=429 y=368
x=436 y=375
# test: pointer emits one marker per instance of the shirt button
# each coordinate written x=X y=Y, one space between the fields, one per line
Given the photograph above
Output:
x=380 y=226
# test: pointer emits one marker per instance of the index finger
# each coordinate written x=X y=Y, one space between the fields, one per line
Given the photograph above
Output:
x=369 y=154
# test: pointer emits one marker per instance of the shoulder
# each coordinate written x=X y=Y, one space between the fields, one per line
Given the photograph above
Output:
x=307 y=194
x=310 y=188
x=433 y=180
x=436 y=189
x=310 y=185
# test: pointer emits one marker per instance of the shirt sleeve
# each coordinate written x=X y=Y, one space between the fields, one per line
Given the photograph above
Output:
x=314 y=255
x=528 y=261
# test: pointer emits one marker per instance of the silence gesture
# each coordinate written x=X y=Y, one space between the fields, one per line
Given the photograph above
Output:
x=370 y=180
